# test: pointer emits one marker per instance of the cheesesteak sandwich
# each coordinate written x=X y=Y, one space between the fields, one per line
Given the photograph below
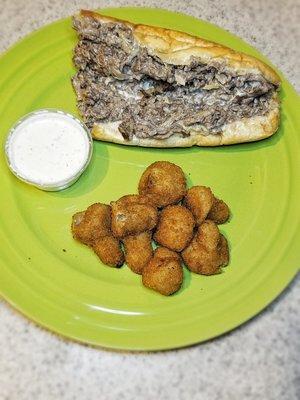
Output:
x=148 y=86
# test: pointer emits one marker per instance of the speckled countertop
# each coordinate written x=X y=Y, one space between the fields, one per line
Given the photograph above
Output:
x=260 y=360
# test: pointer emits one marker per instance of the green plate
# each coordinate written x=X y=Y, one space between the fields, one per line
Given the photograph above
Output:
x=61 y=285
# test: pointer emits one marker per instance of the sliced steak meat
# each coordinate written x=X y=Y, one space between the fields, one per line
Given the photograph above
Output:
x=145 y=65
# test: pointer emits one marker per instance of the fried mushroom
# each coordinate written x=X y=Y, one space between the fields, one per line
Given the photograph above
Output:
x=207 y=252
x=164 y=182
x=108 y=249
x=131 y=215
x=164 y=272
x=219 y=212
x=138 y=251
x=199 y=200
x=90 y=225
x=175 y=228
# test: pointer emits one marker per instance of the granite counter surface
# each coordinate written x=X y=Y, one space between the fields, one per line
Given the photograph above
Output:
x=259 y=360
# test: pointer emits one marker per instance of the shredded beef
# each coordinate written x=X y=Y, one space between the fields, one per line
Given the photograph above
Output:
x=119 y=81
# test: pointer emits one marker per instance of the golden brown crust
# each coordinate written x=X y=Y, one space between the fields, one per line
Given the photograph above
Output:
x=207 y=252
x=175 y=228
x=138 y=251
x=92 y=224
x=199 y=200
x=164 y=182
x=164 y=272
x=109 y=251
x=223 y=251
x=219 y=212
x=175 y=47
x=130 y=218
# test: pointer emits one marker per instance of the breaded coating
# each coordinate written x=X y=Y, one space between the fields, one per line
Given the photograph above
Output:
x=138 y=251
x=209 y=234
x=175 y=228
x=219 y=212
x=131 y=215
x=163 y=252
x=182 y=222
x=92 y=224
x=108 y=249
x=164 y=181
x=136 y=199
x=223 y=250
x=207 y=252
x=199 y=200
x=164 y=272
x=200 y=260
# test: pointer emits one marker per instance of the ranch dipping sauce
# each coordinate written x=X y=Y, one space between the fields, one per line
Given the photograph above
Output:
x=49 y=149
